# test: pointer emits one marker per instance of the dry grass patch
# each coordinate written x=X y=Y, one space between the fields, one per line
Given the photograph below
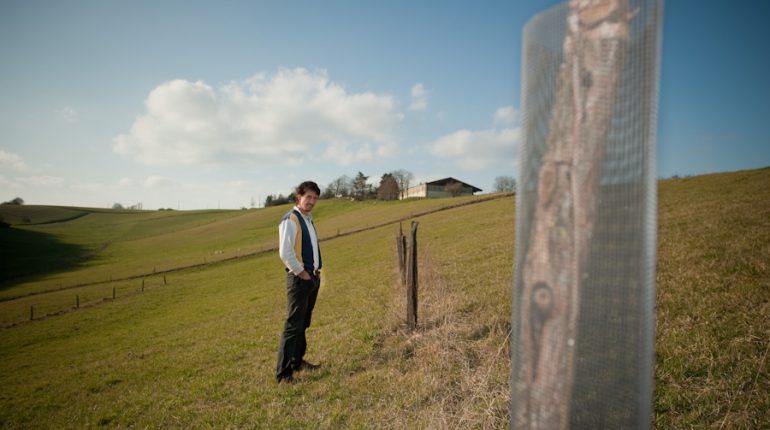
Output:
x=453 y=370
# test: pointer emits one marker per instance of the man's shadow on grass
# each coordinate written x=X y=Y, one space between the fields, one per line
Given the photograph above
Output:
x=27 y=255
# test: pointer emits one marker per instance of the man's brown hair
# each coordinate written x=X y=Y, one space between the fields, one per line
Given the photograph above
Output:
x=305 y=187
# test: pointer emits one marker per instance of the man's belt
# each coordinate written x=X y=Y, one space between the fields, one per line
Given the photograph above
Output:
x=315 y=273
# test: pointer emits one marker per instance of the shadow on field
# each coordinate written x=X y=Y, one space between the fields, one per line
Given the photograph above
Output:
x=28 y=255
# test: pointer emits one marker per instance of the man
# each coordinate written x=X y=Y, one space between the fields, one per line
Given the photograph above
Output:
x=298 y=248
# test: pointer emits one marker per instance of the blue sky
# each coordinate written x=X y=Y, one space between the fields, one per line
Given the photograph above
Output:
x=191 y=104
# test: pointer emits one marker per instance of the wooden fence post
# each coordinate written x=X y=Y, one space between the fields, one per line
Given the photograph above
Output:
x=142 y=285
x=401 y=248
x=164 y=280
x=31 y=313
x=113 y=293
x=77 y=301
x=411 y=280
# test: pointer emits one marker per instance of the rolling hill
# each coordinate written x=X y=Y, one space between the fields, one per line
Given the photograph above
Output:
x=191 y=336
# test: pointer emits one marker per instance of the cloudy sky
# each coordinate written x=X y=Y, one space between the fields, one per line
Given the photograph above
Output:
x=193 y=104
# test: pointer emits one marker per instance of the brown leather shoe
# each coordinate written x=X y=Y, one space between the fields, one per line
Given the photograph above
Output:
x=306 y=366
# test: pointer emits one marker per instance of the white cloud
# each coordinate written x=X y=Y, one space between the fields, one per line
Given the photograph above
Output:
x=7 y=183
x=42 y=181
x=506 y=115
x=88 y=187
x=237 y=184
x=419 y=98
x=68 y=114
x=126 y=182
x=158 y=182
x=12 y=161
x=476 y=150
x=344 y=154
x=286 y=118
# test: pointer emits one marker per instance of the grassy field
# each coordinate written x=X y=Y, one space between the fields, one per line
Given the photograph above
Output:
x=198 y=351
x=713 y=299
x=103 y=245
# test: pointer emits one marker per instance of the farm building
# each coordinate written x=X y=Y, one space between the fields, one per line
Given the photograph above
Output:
x=447 y=187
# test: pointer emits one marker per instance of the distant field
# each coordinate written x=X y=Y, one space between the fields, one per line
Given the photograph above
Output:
x=31 y=214
x=198 y=350
x=109 y=245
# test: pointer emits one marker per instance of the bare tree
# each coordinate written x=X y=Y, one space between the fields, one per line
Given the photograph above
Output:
x=505 y=184
x=403 y=178
x=340 y=187
x=564 y=213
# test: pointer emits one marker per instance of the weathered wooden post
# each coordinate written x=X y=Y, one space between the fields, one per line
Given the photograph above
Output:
x=164 y=280
x=411 y=280
x=401 y=248
x=584 y=279
x=113 y=293
x=142 y=285
x=77 y=301
x=31 y=313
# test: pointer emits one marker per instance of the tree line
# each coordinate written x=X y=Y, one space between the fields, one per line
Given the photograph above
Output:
x=391 y=187
x=18 y=201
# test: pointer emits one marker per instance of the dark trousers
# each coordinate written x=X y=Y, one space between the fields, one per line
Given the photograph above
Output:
x=302 y=296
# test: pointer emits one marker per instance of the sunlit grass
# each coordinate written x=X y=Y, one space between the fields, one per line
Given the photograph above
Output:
x=199 y=352
x=713 y=315
x=121 y=244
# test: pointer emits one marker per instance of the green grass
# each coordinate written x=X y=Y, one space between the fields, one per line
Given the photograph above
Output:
x=713 y=302
x=33 y=214
x=196 y=352
x=81 y=250
x=199 y=352
x=111 y=245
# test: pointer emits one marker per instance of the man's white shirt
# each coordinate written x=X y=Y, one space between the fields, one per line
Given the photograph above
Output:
x=287 y=236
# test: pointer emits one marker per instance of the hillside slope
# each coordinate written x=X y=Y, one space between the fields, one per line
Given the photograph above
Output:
x=713 y=301
x=34 y=214
x=103 y=245
x=199 y=349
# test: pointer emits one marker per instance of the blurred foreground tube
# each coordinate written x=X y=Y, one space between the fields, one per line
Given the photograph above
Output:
x=584 y=286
